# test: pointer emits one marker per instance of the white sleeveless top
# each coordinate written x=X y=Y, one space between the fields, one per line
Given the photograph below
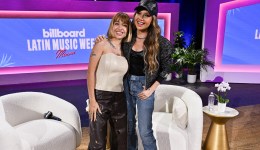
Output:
x=110 y=72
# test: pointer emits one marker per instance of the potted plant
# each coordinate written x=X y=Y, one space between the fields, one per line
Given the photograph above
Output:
x=189 y=57
x=177 y=56
x=221 y=96
x=179 y=63
x=196 y=58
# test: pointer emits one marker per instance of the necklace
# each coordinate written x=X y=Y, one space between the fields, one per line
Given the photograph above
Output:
x=109 y=41
x=114 y=47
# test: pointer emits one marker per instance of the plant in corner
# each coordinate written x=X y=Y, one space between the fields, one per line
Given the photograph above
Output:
x=189 y=57
x=195 y=59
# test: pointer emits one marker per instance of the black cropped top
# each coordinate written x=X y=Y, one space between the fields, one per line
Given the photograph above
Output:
x=136 y=66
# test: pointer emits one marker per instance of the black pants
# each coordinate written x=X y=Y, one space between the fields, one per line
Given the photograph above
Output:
x=113 y=108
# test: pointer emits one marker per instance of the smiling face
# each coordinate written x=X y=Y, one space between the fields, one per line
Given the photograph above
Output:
x=142 y=20
x=119 y=29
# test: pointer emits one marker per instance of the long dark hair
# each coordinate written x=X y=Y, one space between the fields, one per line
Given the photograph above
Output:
x=151 y=44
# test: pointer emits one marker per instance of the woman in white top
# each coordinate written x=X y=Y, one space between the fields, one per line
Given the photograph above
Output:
x=107 y=67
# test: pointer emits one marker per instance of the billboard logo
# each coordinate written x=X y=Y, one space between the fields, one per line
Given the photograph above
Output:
x=56 y=33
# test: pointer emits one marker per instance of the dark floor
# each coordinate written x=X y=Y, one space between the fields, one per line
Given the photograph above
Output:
x=76 y=92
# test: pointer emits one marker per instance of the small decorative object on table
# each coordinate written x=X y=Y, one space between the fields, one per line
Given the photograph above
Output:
x=211 y=100
x=221 y=95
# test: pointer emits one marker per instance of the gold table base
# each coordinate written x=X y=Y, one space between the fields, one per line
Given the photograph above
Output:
x=217 y=138
x=217 y=135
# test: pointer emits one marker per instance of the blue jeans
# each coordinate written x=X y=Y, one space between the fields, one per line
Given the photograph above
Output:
x=145 y=109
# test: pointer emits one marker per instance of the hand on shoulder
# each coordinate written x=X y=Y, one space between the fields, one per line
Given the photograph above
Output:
x=101 y=44
x=100 y=38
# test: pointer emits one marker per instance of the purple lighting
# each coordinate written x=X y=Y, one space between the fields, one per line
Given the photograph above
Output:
x=219 y=66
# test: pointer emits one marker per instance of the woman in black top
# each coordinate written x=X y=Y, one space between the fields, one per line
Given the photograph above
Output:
x=149 y=58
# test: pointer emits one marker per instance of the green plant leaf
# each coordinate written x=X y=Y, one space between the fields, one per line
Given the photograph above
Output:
x=191 y=57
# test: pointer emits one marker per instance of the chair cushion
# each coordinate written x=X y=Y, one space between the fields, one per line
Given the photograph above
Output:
x=168 y=135
x=9 y=139
x=179 y=112
x=49 y=134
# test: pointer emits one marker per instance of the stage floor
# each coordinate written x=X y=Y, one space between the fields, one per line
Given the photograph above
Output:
x=243 y=131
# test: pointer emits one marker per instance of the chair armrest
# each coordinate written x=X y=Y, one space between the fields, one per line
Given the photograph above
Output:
x=25 y=106
x=193 y=102
x=69 y=114
x=195 y=119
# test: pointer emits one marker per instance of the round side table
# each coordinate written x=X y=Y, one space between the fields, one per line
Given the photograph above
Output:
x=217 y=135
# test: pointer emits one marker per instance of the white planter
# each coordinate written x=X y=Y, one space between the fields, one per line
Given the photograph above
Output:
x=169 y=77
x=191 y=78
x=222 y=107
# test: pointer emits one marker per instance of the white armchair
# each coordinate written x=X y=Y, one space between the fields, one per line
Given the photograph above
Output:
x=23 y=127
x=177 y=119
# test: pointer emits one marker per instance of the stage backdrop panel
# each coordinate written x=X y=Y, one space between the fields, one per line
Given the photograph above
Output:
x=52 y=41
x=231 y=33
